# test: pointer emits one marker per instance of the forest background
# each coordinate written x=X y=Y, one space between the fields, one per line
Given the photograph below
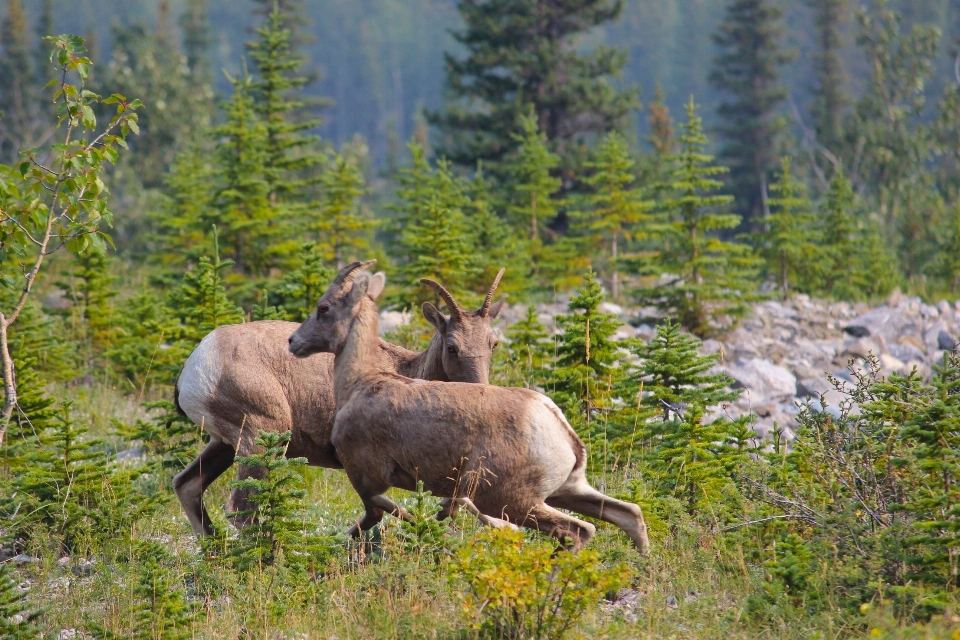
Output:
x=216 y=162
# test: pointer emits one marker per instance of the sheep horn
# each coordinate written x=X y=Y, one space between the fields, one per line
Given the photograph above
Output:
x=348 y=273
x=486 y=303
x=455 y=311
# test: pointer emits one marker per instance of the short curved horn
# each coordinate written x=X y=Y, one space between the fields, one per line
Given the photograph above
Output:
x=348 y=273
x=486 y=302
x=443 y=293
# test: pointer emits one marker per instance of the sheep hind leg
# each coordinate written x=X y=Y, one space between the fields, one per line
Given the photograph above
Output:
x=240 y=506
x=570 y=532
x=581 y=498
x=448 y=509
x=190 y=483
x=485 y=520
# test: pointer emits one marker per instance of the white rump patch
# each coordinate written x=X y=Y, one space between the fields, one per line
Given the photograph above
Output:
x=198 y=383
x=550 y=446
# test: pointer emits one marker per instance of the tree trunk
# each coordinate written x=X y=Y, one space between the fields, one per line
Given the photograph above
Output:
x=9 y=385
x=615 y=286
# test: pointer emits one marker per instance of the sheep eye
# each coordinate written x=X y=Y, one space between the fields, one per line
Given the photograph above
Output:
x=451 y=349
x=495 y=344
x=322 y=309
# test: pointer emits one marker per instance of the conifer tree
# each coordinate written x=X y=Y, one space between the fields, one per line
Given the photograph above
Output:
x=675 y=374
x=530 y=169
x=586 y=371
x=195 y=30
x=522 y=53
x=530 y=348
x=242 y=211
x=305 y=283
x=876 y=262
x=17 y=618
x=618 y=207
x=710 y=276
x=183 y=217
x=662 y=133
x=945 y=265
x=18 y=91
x=91 y=288
x=287 y=153
x=41 y=55
x=280 y=524
x=747 y=70
x=412 y=189
x=143 y=327
x=493 y=240
x=201 y=302
x=343 y=234
x=830 y=99
x=933 y=433
x=789 y=244
x=843 y=278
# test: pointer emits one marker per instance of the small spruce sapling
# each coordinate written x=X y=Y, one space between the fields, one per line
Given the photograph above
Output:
x=529 y=349
x=280 y=525
x=426 y=535
x=342 y=232
x=303 y=286
x=17 y=618
x=841 y=241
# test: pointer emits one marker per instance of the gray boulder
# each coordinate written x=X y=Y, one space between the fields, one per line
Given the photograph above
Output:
x=883 y=321
x=764 y=379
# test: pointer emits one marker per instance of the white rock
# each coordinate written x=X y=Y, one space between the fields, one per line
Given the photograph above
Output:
x=764 y=378
x=891 y=363
x=609 y=307
x=390 y=320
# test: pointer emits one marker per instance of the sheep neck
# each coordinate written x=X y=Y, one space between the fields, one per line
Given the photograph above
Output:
x=358 y=358
x=428 y=365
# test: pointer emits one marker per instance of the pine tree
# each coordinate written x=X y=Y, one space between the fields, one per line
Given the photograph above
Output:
x=710 y=276
x=141 y=352
x=522 y=53
x=830 y=99
x=662 y=133
x=675 y=375
x=184 y=216
x=945 y=265
x=412 y=189
x=91 y=288
x=843 y=278
x=303 y=285
x=18 y=91
x=530 y=169
x=586 y=371
x=17 y=618
x=748 y=71
x=933 y=434
x=530 y=348
x=287 y=151
x=195 y=30
x=877 y=263
x=343 y=233
x=242 y=210
x=493 y=240
x=790 y=242
x=201 y=302
x=280 y=524
x=618 y=207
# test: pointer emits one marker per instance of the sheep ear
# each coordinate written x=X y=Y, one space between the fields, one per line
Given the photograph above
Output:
x=360 y=286
x=496 y=308
x=377 y=283
x=434 y=317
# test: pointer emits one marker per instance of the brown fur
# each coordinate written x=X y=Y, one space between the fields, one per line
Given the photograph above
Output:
x=507 y=449
x=260 y=385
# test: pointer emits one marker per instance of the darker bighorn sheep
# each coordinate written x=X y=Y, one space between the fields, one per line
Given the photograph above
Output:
x=509 y=450
x=242 y=379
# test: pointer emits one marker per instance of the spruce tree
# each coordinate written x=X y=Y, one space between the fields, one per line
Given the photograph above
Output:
x=747 y=71
x=247 y=223
x=530 y=348
x=91 y=287
x=41 y=54
x=586 y=372
x=342 y=232
x=662 y=133
x=183 y=218
x=493 y=240
x=618 y=208
x=945 y=265
x=18 y=91
x=523 y=53
x=280 y=524
x=287 y=150
x=139 y=352
x=709 y=277
x=790 y=242
x=17 y=618
x=196 y=36
x=303 y=285
x=830 y=99
x=201 y=302
x=530 y=169
x=843 y=278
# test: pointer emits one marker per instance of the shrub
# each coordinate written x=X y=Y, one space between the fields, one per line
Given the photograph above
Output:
x=530 y=590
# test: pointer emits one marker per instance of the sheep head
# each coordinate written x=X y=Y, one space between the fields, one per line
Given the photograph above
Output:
x=326 y=329
x=468 y=336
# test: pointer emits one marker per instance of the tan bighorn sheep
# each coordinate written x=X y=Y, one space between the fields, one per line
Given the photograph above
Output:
x=509 y=450
x=242 y=379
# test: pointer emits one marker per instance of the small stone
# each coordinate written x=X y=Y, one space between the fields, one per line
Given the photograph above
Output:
x=891 y=363
x=672 y=602
x=944 y=307
x=64 y=561
x=945 y=341
x=861 y=348
x=85 y=568
x=24 y=559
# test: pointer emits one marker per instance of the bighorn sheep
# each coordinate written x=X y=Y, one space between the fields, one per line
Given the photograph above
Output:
x=242 y=379
x=509 y=450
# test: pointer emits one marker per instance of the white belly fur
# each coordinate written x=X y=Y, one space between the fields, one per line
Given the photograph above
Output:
x=198 y=382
